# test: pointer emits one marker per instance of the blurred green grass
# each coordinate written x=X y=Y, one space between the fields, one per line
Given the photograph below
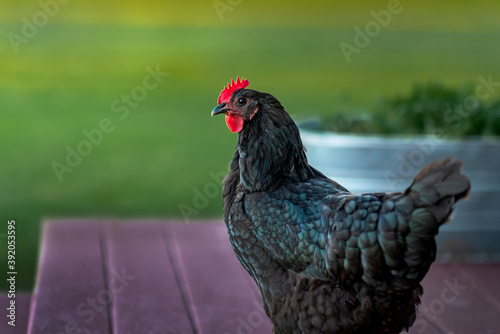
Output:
x=65 y=79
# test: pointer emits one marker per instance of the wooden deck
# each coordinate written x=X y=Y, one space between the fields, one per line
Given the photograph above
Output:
x=158 y=277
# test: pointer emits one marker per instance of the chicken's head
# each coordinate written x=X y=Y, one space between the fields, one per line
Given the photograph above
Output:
x=237 y=104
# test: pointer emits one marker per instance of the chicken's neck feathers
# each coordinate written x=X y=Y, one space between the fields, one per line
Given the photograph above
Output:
x=269 y=150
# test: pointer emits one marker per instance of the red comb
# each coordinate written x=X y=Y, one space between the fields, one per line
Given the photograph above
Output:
x=226 y=93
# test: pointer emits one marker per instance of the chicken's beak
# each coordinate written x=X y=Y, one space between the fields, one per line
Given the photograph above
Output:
x=220 y=109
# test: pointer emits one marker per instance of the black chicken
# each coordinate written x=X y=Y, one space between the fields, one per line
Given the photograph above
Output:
x=326 y=260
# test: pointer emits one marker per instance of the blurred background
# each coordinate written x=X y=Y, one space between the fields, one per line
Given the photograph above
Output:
x=138 y=80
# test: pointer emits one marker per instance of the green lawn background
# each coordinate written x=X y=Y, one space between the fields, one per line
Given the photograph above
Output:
x=64 y=80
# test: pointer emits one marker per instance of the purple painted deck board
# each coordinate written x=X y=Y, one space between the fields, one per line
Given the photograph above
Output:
x=149 y=299
x=485 y=280
x=187 y=275
x=70 y=276
x=452 y=303
x=22 y=304
x=223 y=300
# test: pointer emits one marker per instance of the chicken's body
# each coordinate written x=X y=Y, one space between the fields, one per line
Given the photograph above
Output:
x=325 y=260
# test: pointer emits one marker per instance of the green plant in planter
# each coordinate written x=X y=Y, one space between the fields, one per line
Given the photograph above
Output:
x=493 y=123
x=428 y=109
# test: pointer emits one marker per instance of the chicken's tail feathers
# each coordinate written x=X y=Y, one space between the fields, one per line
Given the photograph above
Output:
x=440 y=181
x=432 y=195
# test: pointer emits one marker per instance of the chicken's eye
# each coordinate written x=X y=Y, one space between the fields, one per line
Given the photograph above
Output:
x=242 y=101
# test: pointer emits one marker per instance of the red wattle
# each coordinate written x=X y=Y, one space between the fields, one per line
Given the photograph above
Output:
x=234 y=122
